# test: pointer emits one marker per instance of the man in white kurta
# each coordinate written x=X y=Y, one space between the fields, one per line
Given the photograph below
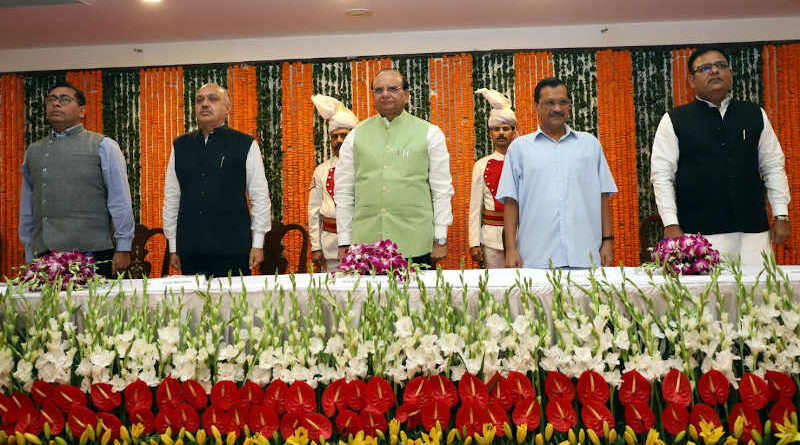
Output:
x=485 y=212
x=321 y=202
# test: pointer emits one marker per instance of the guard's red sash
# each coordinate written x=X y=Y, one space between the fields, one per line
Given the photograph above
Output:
x=329 y=183
x=491 y=176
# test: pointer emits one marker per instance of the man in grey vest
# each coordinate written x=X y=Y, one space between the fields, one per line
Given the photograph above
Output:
x=714 y=160
x=393 y=178
x=75 y=193
x=210 y=175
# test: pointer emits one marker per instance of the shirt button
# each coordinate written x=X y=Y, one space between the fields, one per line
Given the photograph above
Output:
x=202 y=193
x=385 y=167
x=44 y=169
x=47 y=155
x=388 y=148
x=383 y=210
x=45 y=218
x=385 y=187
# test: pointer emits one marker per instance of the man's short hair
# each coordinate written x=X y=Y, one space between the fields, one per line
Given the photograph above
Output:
x=226 y=94
x=702 y=50
x=551 y=82
x=79 y=96
x=406 y=85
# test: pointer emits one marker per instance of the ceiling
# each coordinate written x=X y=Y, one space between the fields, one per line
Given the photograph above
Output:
x=97 y=22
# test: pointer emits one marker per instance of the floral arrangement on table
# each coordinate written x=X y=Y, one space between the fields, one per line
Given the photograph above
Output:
x=379 y=258
x=60 y=269
x=686 y=255
x=416 y=368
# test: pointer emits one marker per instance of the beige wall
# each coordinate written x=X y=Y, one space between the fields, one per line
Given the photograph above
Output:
x=358 y=45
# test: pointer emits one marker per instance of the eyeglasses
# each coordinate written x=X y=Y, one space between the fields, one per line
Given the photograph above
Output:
x=550 y=103
x=392 y=90
x=63 y=99
x=706 y=67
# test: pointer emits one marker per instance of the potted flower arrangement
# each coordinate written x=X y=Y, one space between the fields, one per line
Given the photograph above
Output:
x=56 y=268
x=381 y=258
x=686 y=255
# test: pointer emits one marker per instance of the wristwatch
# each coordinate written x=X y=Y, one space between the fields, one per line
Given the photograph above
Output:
x=781 y=217
x=440 y=241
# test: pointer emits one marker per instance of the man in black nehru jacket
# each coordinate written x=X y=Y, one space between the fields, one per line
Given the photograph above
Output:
x=210 y=175
x=714 y=161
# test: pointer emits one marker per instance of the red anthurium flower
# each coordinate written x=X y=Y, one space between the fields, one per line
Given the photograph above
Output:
x=414 y=420
x=264 y=420
x=347 y=422
x=301 y=398
x=520 y=386
x=65 y=396
x=111 y=423
x=473 y=390
x=634 y=388
x=222 y=419
x=138 y=396
x=702 y=411
x=275 y=396
x=781 y=412
x=250 y=394
x=240 y=416
x=80 y=417
x=379 y=395
x=371 y=421
x=225 y=394
x=442 y=389
x=470 y=419
x=169 y=394
x=194 y=394
x=640 y=417
x=558 y=386
x=594 y=415
x=751 y=421
x=780 y=385
x=8 y=409
x=53 y=417
x=354 y=394
x=144 y=417
x=189 y=418
x=104 y=397
x=318 y=426
x=168 y=418
x=528 y=412
x=753 y=391
x=592 y=388
x=30 y=421
x=675 y=418
x=41 y=391
x=333 y=397
x=713 y=387
x=414 y=393
x=676 y=388
x=289 y=423
x=22 y=401
x=435 y=411
x=561 y=414
x=498 y=416
x=406 y=411
x=500 y=392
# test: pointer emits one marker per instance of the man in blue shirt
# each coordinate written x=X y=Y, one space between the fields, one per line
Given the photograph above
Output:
x=555 y=187
x=75 y=193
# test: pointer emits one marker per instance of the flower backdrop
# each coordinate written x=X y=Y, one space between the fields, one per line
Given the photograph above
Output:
x=619 y=95
x=601 y=362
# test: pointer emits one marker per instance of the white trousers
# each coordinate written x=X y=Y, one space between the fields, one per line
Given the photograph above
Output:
x=493 y=258
x=748 y=246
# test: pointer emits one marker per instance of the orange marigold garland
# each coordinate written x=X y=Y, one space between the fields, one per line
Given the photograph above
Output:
x=617 y=134
x=161 y=121
x=363 y=71
x=781 y=82
x=682 y=92
x=297 y=116
x=91 y=83
x=12 y=141
x=452 y=105
x=529 y=69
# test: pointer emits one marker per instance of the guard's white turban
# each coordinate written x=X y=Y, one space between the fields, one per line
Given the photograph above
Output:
x=335 y=112
x=501 y=108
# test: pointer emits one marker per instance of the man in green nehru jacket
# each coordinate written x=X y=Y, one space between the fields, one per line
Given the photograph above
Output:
x=393 y=178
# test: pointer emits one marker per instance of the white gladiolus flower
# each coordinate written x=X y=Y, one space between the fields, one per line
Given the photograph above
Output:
x=24 y=373
x=404 y=327
x=315 y=346
x=102 y=358
x=497 y=326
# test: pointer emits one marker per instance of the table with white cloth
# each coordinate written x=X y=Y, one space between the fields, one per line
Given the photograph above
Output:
x=501 y=283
